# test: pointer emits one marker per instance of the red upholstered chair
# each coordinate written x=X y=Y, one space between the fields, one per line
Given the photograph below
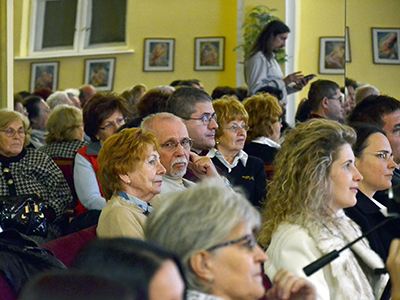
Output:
x=5 y=291
x=68 y=247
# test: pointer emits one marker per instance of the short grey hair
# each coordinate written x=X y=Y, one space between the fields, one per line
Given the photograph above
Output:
x=58 y=98
x=149 y=121
x=196 y=219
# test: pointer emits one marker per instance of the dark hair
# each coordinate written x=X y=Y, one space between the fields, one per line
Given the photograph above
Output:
x=182 y=102
x=31 y=104
x=220 y=91
x=364 y=131
x=350 y=82
x=100 y=107
x=319 y=90
x=154 y=101
x=43 y=92
x=372 y=109
x=271 y=90
x=175 y=82
x=242 y=92
x=132 y=263
x=303 y=111
x=72 y=285
x=270 y=30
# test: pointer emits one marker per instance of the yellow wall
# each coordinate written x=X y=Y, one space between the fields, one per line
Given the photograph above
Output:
x=322 y=18
x=182 y=20
x=361 y=68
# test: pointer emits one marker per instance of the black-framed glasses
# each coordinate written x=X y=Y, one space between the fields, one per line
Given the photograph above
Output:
x=10 y=132
x=249 y=239
x=186 y=143
x=385 y=155
x=236 y=128
x=118 y=123
x=205 y=119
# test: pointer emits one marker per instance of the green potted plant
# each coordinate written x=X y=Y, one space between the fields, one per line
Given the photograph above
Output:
x=254 y=21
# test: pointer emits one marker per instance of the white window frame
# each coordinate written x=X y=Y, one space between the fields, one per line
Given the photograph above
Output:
x=81 y=37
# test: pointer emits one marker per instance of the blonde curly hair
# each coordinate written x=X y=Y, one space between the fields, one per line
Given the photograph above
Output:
x=300 y=190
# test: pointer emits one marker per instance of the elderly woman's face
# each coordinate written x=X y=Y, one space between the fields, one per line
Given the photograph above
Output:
x=276 y=130
x=12 y=139
x=144 y=182
x=236 y=268
x=110 y=126
x=233 y=137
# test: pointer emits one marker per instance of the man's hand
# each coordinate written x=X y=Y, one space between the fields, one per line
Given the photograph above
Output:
x=202 y=166
x=288 y=287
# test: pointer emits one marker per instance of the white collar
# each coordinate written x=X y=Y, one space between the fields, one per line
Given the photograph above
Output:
x=266 y=141
x=242 y=156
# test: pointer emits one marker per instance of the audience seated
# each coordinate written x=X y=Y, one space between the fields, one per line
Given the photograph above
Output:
x=153 y=101
x=58 y=98
x=103 y=115
x=303 y=220
x=175 y=154
x=64 y=138
x=264 y=128
x=144 y=268
x=326 y=101
x=26 y=171
x=240 y=168
x=215 y=238
x=85 y=93
x=74 y=285
x=364 y=91
x=383 y=112
x=220 y=91
x=38 y=112
x=133 y=96
x=130 y=174
x=374 y=160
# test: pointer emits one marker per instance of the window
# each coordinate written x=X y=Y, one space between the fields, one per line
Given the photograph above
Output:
x=74 y=26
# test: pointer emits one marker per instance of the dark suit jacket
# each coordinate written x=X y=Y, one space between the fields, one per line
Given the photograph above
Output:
x=367 y=215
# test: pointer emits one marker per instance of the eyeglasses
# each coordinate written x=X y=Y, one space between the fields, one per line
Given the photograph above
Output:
x=206 y=119
x=279 y=120
x=236 y=128
x=340 y=99
x=250 y=242
x=385 y=155
x=118 y=123
x=10 y=132
x=186 y=143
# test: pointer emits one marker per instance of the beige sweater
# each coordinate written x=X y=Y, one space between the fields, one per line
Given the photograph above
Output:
x=119 y=219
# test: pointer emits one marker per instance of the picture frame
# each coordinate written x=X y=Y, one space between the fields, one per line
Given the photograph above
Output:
x=44 y=74
x=209 y=53
x=347 y=43
x=158 y=55
x=100 y=73
x=332 y=55
x=385 y=45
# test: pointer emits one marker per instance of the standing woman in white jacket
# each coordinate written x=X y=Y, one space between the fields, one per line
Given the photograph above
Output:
x=315 y=178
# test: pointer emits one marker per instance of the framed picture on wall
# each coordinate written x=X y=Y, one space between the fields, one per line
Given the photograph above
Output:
x=332 y=55
x=158 y=55
x=347 y=41
x=44 y=75
x=385 y=45
x=209 y=53
x=100 y=73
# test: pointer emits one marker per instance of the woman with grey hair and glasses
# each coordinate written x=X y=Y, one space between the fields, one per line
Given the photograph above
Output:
x=215 y=238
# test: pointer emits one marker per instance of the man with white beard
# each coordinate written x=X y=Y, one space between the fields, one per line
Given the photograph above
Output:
x=173 y=137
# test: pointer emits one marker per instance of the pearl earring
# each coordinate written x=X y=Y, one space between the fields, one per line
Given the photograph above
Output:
x=128 y=182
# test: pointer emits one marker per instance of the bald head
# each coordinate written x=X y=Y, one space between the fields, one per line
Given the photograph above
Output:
x=365 y=91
